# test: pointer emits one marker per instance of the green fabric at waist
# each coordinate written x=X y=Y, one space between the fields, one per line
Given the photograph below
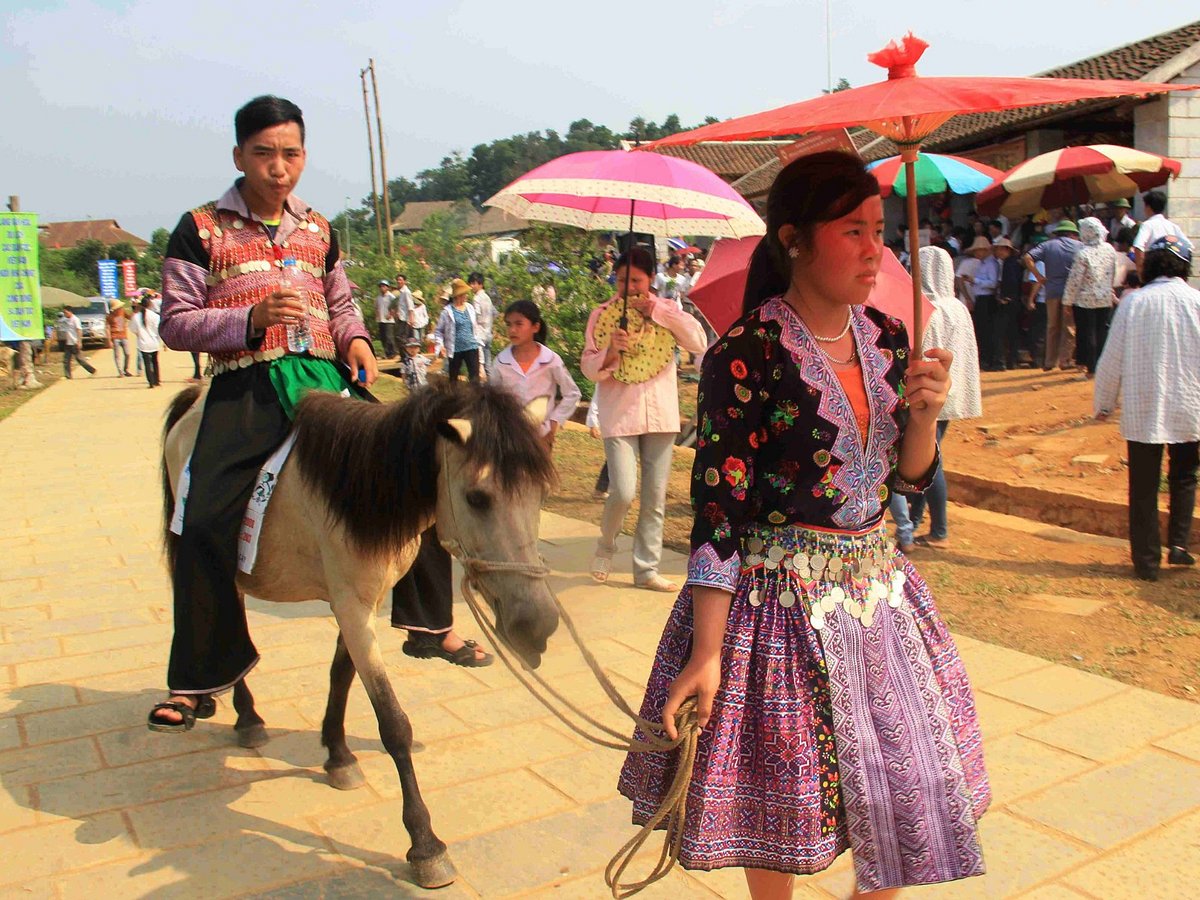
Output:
x=294 y=376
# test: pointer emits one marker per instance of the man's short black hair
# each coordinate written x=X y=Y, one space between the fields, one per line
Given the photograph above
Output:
x=475 y=278
x=264 y=112
x=1163 y=264
x=673 y=260
x=1125 y=236
x=1156 y=201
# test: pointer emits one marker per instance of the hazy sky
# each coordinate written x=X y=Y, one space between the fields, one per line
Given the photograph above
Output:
x=125 y=110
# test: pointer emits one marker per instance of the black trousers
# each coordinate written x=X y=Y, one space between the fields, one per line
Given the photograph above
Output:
x=1145 y=469
x=984 y=318
x=195 y=365
x=150 y=361
x=468 y=358
x=423 y=600
x=387 y=337
x=1008 y=333
x=243 y=424
x=1091 y=331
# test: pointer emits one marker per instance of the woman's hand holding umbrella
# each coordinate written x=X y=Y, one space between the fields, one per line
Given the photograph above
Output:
x=926 y=386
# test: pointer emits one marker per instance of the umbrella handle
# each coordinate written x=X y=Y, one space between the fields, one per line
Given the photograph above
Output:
x=914 y=255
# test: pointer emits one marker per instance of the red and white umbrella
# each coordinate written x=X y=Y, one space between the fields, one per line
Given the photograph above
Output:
x=1075 y=175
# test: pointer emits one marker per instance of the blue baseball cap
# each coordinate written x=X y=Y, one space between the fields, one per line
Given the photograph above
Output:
x=1173 y=245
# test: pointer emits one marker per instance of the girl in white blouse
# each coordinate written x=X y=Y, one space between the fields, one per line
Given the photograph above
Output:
x=530 y=369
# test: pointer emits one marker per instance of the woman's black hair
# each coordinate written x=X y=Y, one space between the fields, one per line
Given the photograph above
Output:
x=1163 y=264
x=264 y=112
x=808 y=192
x=639 y=258
x=530 y=311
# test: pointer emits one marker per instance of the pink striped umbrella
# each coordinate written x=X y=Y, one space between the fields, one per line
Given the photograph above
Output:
x=613 y=190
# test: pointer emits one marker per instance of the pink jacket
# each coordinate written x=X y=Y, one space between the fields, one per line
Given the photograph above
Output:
x=651 y=407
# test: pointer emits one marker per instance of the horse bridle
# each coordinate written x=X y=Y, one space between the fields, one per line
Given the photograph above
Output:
x=672 y=812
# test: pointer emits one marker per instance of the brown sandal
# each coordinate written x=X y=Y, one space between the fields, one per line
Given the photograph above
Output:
x=205 y=708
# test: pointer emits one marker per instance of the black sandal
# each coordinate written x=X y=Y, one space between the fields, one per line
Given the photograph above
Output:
x=430 y=647
x=205 y=708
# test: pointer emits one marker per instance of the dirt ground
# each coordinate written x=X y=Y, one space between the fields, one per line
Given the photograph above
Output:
x=1066 y=597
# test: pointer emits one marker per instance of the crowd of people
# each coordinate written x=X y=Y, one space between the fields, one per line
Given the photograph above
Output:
x=1042 y=290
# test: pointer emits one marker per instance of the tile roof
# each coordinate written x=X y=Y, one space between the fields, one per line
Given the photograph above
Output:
x=1130 y=62
x=729 y=159
x=64 y=235
x=757 y=182
x=417 y=211
x=493 y=221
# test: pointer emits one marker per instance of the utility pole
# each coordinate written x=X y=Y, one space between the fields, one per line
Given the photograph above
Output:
x=14 y=203
x=828 y=47
x=362 y=74
x=387 y=204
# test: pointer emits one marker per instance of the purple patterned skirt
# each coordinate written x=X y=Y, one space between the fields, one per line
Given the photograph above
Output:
x=844 y=719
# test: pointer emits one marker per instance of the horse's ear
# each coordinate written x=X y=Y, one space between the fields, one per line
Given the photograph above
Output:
x=536 y=410
x=456 y=430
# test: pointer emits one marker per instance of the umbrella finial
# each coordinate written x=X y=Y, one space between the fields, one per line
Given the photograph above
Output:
x=900 y=59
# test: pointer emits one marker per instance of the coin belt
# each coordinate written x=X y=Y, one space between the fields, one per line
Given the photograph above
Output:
x=822 y=570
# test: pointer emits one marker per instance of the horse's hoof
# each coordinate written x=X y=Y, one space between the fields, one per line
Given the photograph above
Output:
x=436 y=872
x=346 y=778
x=251 y=736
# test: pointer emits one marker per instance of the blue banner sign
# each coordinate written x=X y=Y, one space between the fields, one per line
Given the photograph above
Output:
x=108 y=278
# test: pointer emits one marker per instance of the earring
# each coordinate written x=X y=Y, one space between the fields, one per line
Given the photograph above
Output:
x=794 y=252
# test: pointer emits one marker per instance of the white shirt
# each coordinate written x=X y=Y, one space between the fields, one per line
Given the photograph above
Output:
x=418 y=316
x=485 y=316
x=144 y=326
x=383 y=307
x=669 y=286
x=401 y=304
x=1155 y=227
x=72 y=331
x=950 y=328
x=1149 y=363
x=967 y=265
x=547 y=377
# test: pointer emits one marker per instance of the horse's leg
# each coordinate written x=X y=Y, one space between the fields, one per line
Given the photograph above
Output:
x=251 y=731
x=342 y=765
x=430 y=863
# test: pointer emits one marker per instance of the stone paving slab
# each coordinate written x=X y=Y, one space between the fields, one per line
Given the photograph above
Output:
x=1097 y=784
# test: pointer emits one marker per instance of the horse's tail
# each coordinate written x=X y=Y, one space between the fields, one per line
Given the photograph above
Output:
x=180 y=404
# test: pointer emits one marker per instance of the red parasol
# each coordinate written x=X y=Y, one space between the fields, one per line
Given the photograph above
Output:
x=719 y=289
x=907 y=108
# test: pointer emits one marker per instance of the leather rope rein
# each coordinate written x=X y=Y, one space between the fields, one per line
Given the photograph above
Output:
x=671 y=813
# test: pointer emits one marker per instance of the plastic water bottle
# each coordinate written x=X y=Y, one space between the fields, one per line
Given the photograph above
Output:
x=299 y=338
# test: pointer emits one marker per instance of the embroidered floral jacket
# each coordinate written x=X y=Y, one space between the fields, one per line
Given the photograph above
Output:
x=778 y=442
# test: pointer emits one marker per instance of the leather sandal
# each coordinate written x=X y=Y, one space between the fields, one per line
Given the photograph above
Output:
x=430 y=647
x=205 y=708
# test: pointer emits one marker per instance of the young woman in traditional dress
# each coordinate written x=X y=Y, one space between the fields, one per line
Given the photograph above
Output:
x=835 y=710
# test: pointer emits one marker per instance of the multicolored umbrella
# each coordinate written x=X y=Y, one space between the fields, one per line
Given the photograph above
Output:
x=611 y=190
x=936 y=173
x=908 y=108
x=1075 y=175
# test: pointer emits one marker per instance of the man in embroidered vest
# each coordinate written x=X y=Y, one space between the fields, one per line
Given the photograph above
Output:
x=223 y=295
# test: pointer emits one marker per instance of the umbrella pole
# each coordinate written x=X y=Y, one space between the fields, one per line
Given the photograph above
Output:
x=914 y=249
x=624 y=323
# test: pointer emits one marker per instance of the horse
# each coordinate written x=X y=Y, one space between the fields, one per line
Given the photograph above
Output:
x=362 y=482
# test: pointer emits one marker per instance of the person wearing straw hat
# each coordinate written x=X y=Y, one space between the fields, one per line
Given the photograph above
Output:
x=116 y=329
x=1149 y=363
x=418 y=315
x=457 y=334
x=1058 y=254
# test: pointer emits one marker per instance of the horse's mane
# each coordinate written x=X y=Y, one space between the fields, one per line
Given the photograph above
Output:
x=375 y=464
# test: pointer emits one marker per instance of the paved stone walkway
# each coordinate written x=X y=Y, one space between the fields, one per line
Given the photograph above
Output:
x=1097 y=783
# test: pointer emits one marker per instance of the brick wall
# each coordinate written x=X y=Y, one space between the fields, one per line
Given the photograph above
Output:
x=1171 y=126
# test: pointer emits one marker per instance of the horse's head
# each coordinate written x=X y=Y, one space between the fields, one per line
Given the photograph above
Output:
x=494 y=473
